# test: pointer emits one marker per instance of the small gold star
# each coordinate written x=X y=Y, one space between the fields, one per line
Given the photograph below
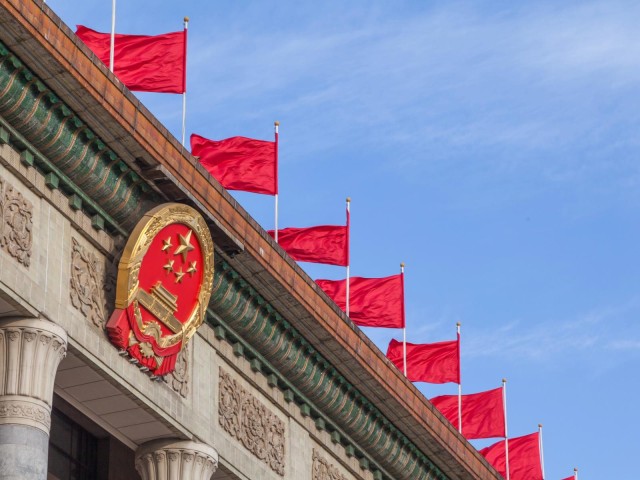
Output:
x=185 y=246
x=179 y=274
x=166 y=244
x=169 y=266
x=192 y=268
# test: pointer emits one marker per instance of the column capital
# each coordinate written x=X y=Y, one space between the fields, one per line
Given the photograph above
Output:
x=30 y=352
x=172 y=459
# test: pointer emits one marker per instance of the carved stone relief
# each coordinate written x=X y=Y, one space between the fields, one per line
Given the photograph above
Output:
x=323 y=470
x=87 y=284
x=178 y=380
x=248 y=420
x=16 y=223
x=15 y=408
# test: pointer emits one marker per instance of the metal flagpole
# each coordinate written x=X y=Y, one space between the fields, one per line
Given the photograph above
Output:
x=404 y=330
x=506 y=432
x=541 y=449
x=184 y=93
x=575 y=474
x=348 y=256
x=459 y=383
x=112 y=47
x=276 y=126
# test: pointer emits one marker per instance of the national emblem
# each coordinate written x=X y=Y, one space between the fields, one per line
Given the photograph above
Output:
x=164 y=284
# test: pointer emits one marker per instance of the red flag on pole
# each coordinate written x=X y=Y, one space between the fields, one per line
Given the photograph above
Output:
x=239 y=163
x=144 y=63
x=428 y=362
x=482 y=413
x=374 y=302
x=524 y=457
x=327 y=244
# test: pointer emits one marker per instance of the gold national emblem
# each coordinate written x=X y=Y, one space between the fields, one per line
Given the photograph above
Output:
x=164 y=284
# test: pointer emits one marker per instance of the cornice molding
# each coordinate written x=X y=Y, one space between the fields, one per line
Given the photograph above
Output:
x=62 y=146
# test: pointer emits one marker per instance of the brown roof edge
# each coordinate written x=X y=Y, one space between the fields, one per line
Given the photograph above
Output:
x=133 y=132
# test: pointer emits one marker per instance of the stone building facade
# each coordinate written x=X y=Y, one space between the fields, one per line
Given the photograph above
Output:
x=276 y=384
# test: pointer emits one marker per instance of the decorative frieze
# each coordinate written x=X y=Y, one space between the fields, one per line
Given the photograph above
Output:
x=87 y=284
x=15 y=409
x=16 y=223
x=176 y=460
x=323 y=470
x=30 y=352
x=249 y=421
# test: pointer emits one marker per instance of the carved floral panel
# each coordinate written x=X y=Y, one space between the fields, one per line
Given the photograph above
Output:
x=16 y=223
x=87 y=284
x=178 y=380
x=323 y=470
x=249 y=421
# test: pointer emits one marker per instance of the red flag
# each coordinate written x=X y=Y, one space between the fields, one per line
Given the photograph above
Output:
x=428 y=362
x=373 y=302
x=482 y=413
x=524 y=457
x=239 y=163
x=572 y=477
x=323 y=244
x=144 y=63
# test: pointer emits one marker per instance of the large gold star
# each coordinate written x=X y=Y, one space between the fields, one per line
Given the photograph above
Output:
x=166 y=244
x=185 y=246
x=179 y=274
x=169 y=266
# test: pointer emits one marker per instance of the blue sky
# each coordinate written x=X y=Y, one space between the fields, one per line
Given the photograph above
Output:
x=492 y=146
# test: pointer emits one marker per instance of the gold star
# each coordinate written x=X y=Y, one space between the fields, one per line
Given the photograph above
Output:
x=185 y=246
x=169 y=266
x=166 y=244
x=192 y=268
x=179 y=274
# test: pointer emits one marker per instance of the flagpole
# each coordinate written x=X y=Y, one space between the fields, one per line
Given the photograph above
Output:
x=575 y=474
x=404 y=330
x=348 y=256
x=276 y=126
x=112 y=46
x=184 y=82
x=459 y=383
x=541 y=449
x=506 y=432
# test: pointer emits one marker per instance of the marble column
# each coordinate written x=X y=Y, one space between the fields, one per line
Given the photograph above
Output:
x=30 y=352
x=171 y=459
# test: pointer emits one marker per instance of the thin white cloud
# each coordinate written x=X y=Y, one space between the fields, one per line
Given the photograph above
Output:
x=591 y=332
x=434 y=84
x=591 y=38
x=631 y=344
